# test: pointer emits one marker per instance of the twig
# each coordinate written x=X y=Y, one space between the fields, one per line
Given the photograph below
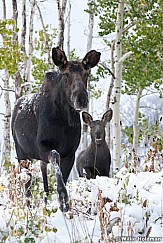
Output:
x=4 y=89
x=80 y=211
x=3 y=114
x=128 y=26
x=107 y=68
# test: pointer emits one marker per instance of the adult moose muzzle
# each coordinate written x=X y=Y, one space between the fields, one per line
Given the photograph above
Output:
x=46 y=126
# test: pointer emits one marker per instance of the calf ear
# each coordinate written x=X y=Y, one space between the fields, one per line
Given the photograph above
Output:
x=87 y=118
x=107 y=116
x=59 y=57
x=91 y=59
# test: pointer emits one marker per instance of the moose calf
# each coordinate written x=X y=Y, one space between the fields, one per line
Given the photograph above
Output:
x=96 y=159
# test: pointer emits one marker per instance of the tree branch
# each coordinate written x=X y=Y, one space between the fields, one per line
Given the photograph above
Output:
x=108 y=69
x=124 y=57
x=4 y=89
x=128 y=27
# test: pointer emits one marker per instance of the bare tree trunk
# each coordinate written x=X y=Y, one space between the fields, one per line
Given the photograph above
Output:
x=68 y=29
x=18 y=90
x=90 y=27
x=61 y=14
x=4 y=8
x=119 y=59
x=23 y=35
x=112 y=72
x=89 y=47
x=15 y=17
x=117 y=89
x=6 y=151
x=135 y=123
x=18 y=87
x=23 y=32
x=90 y=35
x=109 y=94
x=30 y=51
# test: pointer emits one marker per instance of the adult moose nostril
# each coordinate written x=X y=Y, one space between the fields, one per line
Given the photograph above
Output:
x=80 y=100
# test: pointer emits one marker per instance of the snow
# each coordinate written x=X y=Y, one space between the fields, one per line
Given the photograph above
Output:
x=129 y=205
x=134 y=202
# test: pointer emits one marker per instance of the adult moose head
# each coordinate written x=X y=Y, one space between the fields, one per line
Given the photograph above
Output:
x=96 y=159
x=46 y=126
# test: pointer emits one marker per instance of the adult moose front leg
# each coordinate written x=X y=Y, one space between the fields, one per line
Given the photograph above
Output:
x=43 y=166
x=54 y=159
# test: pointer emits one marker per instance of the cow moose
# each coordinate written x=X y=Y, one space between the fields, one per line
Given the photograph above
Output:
x=96 y=159
x=46 y=126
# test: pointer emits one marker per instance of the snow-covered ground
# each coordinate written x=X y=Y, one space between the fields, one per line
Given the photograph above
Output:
x=126 y=208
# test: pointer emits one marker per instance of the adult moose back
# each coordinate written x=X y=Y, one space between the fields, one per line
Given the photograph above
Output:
x=46 y=126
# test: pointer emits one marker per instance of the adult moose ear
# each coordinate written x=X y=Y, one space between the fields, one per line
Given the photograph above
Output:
x=87 y=118
x=59 y=57
x=107 y=116
x=91 y=59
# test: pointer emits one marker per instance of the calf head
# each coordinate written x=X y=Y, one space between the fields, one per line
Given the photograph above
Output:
x=97 y=128
x=75 y=75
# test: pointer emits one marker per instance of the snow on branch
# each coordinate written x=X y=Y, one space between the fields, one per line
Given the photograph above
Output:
x=125 y=56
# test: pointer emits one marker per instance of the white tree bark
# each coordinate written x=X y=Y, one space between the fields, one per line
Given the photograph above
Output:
x=23 y=31
x=6 y=150
x=135 y=122
x=117 y=89
x=30 y=51
x=89 y=47
x=61 y=4
x=23 y=36
x=15 y=17
x=68 y=29
x=18 y=90
x=110 y=90
x=90 y=28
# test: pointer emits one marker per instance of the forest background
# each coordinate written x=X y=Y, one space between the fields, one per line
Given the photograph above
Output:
x=129 y=79
x=126 y=32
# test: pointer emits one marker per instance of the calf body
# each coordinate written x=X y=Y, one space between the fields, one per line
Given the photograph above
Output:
x=96 y=159
x=49 y=120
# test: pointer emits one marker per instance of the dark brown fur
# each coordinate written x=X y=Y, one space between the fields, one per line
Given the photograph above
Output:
x=49 y=120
